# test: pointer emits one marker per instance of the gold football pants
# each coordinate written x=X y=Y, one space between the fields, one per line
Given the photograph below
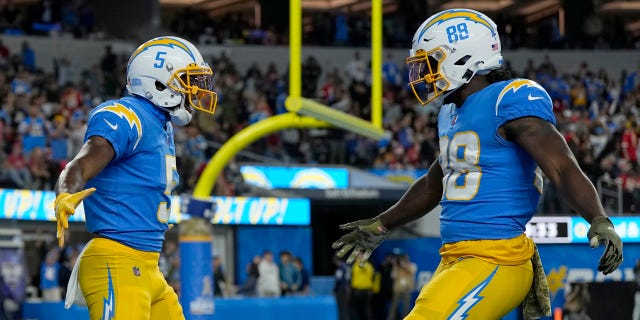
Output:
x=471 y=288
x=121 y=283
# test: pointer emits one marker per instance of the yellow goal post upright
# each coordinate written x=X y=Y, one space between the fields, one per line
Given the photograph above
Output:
x=304 y=113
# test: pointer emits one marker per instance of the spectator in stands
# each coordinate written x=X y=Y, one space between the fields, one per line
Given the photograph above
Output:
x=28 y=57
x=49 y=270
x=362 y=283
x=382 y=299
x=40 y=170
x=305 y=282
x=342 y=287
x=290 y=277
x=356 y=69
x=269 y=281
x=404 y=276
x=59 y=139
x=21 y=84
x=576 y=302
x=220 y=287
x=168 y=253
x=391 y=71
x=311 y=71
x=64 y=71
x=341 y=28
x=86 y=19
x=4 y=54
x=66 y=266
x=169 y=264
x=17 y=168
x=9 y=303
x=194 y=154
x=630 y=182
x=629 y=143
x=76 y=135
x=34 y=129
x=248 y=288
x=5 y=177
x=109 y=66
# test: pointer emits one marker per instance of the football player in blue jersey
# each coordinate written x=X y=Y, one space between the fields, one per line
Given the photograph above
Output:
x=494 y=134
x=128 y=166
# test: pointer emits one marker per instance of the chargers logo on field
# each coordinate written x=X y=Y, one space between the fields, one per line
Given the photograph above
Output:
x=127 y=114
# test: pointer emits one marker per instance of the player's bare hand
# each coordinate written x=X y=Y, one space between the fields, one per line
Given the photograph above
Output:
x=65 y=206
x=366 y=236
x=603 y=232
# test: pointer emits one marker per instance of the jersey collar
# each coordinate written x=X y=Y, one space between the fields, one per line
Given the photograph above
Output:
x=157 y=112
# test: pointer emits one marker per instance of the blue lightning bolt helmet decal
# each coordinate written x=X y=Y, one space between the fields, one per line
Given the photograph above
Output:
x=455 y=14
x=162 y=41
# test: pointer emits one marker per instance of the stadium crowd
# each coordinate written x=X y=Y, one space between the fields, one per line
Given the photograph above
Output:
x=43 y=118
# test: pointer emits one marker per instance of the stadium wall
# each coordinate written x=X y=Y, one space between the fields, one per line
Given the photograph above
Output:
x=86 y=53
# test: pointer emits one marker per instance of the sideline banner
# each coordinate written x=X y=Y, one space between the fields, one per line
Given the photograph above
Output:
x=38 y=205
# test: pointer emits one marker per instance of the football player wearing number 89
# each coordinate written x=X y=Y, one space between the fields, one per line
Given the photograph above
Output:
x=494 y=133
x=128 y=163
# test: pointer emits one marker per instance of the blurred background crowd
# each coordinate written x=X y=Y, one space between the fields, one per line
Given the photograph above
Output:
x=43 y=118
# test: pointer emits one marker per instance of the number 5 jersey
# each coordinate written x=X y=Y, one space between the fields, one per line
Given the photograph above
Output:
x=132 y=201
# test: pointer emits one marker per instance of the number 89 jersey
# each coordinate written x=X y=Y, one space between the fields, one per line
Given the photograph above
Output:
x=132 y=201
x=491 y=186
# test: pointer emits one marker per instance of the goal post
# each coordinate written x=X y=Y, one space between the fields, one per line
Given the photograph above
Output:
x=304 y=113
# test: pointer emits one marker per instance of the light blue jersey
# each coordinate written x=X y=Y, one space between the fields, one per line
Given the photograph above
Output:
x=491 y=186
x=132 y=202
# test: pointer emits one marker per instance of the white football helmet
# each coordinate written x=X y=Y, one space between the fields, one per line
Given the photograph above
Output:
x=448 y=49
x=171 y=73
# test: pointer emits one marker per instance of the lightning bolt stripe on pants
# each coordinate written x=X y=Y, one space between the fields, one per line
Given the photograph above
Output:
x=108 y=310
x=471 y=299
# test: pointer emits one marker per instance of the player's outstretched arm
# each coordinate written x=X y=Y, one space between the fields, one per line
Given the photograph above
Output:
x=551 y=152
x=423 y=195
x=94 y=156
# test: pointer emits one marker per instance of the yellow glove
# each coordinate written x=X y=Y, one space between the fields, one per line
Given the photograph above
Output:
x=65 y=206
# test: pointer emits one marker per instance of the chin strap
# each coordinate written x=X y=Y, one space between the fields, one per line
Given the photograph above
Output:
x=179 y=114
